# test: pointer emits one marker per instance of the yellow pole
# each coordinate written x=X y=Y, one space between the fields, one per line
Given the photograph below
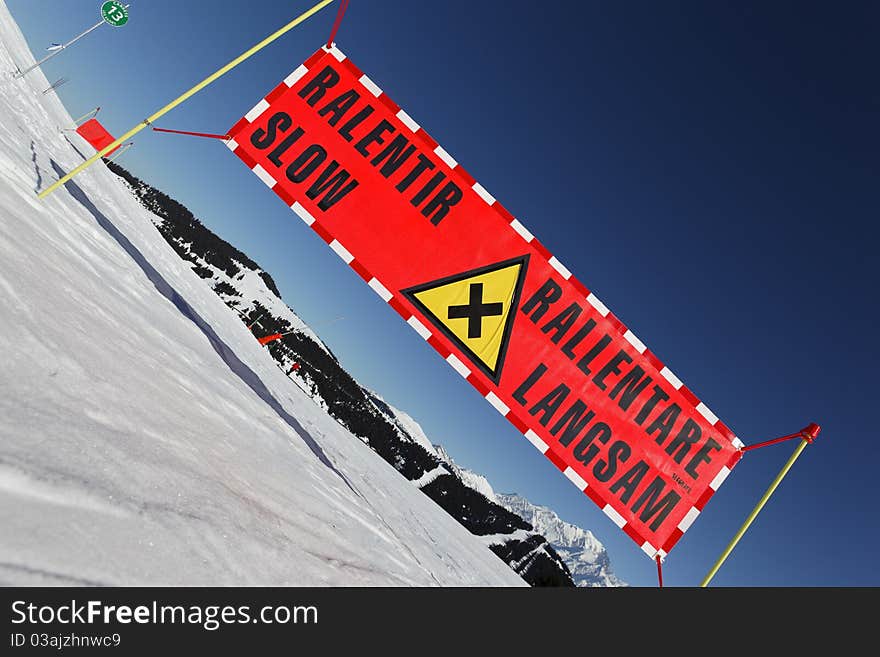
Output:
x=754 y=514
x=185 y=96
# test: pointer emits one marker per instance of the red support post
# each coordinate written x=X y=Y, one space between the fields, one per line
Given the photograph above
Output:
x=808 y=433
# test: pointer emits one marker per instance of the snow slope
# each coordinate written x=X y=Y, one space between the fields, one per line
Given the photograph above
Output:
x=396 y=437
x=146 y=438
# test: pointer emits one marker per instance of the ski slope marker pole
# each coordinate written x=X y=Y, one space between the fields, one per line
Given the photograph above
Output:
x=90 y=113
x=187 y=95
x=807 y=436
x=45 y=59
x=121 y=151
x=60 y=82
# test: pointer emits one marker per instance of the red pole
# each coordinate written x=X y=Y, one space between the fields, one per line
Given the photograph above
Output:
x=808 y=433
x=659 y=571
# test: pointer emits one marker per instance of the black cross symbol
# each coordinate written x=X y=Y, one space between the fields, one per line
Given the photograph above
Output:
x=475 y=311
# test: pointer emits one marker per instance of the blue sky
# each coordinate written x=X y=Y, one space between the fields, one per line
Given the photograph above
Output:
x=710 y=170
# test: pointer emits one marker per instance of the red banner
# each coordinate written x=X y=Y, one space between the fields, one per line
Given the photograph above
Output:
x=97 y=136
x=489 y=297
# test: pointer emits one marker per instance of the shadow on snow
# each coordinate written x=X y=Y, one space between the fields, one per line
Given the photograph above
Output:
x=232 y=361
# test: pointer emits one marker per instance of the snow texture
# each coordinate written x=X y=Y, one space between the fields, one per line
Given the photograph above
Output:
x=147 y=439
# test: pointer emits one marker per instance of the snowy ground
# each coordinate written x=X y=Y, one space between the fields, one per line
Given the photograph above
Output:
x=145 y=437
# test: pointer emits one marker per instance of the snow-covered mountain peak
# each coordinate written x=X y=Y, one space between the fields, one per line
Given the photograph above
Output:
x=472 y=479
x=582 y=552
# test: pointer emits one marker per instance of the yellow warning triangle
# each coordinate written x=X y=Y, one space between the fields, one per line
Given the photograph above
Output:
x=475 y=309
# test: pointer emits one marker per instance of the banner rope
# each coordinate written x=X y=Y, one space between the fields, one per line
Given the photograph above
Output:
x=208 y=135
x=339 y=14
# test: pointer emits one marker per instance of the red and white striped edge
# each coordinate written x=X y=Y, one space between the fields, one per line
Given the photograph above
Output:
x=431 y=336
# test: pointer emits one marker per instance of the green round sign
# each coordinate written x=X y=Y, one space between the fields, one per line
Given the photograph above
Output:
x=115 y=13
